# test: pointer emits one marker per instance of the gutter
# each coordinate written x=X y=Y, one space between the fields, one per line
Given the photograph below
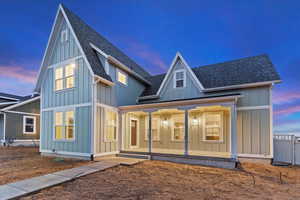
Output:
x=242 y=86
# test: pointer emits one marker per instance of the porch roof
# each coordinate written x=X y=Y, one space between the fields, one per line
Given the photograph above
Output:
x=184 y=102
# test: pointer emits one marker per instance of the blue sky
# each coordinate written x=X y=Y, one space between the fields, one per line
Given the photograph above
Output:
x=151 y=32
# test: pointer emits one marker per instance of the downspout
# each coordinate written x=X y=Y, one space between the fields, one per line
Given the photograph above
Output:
x=4 y=128
x=94 y=118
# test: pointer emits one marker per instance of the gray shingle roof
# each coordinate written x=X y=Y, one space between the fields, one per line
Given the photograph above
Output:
x=242 y=71
x=87 y=35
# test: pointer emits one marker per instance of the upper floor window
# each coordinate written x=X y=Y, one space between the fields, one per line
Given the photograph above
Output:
x=64 y=125
x=64 y=35
x=29 y=125
x=213 y=126
x=179 y=79
x=121 y=77
x=64 y=77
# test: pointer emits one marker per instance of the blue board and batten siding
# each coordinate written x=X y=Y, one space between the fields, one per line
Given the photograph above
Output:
x=168 y=92
x=78 y=98
x=119 y=94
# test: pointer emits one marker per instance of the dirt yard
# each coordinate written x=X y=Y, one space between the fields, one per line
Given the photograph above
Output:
x=163 y=180
x=18 y=163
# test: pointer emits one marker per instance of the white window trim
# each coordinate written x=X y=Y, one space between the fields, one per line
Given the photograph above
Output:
x=172 y=128
x=122 y=72
x=54 y=120
x=64 y=77
x=64 y=36
x=138 y=131
x=105 y=126
x=184 y=78
x=146 y=127
x=24 y=125
x=204 y=127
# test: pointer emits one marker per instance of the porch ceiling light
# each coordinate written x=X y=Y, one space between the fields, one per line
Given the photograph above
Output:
x=165 y=122
x=195 y=121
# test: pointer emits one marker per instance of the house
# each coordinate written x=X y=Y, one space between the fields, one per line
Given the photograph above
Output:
x=97 y=101
x=19 y=119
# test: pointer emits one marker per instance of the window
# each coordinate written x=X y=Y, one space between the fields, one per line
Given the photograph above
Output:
x=29 y=125
x=64 y=77
x=212 y=125
x=179 y=79
x=155 y=128
x=111 y=126
x=64 y=125
x=178 y=127
x=121 y=77
x=64 y=35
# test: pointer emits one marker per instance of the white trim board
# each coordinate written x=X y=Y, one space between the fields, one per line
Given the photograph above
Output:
x=254 y=107
x=241 y=155
x=66 y=107
x=107 y=106
x=22 y=113
x=106 y=153
x=246 y=85
x=22 y=103
x=9 y=98
x=66 y=153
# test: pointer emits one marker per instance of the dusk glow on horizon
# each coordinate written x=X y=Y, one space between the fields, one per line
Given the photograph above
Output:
x=151 y=32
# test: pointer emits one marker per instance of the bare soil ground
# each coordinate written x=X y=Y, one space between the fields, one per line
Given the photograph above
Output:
x=163 y=180
x=18 y=163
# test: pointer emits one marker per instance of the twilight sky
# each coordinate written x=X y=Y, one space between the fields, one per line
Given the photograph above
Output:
x=151 y=32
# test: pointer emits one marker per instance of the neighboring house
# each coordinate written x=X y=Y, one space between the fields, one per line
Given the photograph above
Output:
x=19 y=119
x=97 y=101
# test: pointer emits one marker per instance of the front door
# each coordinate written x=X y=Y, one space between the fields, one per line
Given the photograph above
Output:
x=133 y=133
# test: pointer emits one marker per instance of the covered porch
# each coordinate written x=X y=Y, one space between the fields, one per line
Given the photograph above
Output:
x=204 y=127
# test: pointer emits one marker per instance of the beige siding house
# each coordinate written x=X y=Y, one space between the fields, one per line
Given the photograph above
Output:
x=96 y=101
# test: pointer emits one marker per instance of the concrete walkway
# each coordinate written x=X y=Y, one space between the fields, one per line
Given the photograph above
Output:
x=25 y=187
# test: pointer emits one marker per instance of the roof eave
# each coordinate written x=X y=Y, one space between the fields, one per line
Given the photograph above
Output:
x=181 y=103
x=247 y=85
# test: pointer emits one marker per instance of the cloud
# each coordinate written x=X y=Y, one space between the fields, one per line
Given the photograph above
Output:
x=285 y=97
x=19 y=73
x=287 y=110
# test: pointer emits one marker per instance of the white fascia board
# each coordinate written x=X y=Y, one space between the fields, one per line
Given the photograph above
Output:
x=21 y=103
x=9 y=98
x=8 y=103
x=178 y=55
x=242 y=86
x=99 y=50
x=76 y=39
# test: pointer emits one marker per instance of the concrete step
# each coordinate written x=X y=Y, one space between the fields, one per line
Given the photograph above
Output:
x=132 y=155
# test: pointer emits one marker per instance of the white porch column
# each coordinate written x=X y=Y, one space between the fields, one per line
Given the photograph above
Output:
x=186 y=135
x=150 y=132
x=233 y=136
x=120 y=131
